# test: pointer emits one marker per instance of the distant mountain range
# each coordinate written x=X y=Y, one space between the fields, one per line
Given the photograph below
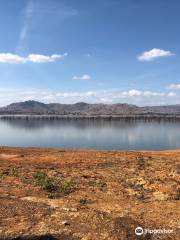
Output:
x=85 y=109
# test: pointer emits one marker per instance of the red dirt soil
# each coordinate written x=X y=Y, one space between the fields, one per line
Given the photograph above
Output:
x=105 y=194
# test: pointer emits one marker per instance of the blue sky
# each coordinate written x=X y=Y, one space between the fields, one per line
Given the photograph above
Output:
x=94 y=51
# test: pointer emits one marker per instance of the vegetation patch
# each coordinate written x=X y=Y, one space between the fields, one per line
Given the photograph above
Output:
x=177 y=195
x=56 y=186
x=14 y=172
x=1 y=175
x=141 y=162
x=83 y=201
x=97 y=183
x=137 y=187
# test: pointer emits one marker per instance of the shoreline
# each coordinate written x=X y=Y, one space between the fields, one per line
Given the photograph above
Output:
x=14 y=148
x=92 y=117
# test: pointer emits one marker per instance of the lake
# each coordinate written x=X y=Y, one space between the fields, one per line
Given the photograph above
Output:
x=90 y=134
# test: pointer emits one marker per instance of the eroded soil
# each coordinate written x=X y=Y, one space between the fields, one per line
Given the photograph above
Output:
x=88 y=195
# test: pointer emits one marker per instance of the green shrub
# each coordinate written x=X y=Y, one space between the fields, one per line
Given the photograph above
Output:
x=67 y=186
x=55 y=185
x=42 y=180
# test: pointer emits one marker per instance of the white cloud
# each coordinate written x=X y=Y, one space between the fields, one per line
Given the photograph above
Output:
x=171 y=94
x=35 y=58
x=83 y=77
x=154 y=54
x=174 y=86
x=134 y=92
x=131 y=96
x=11 y=58
x=106 y=100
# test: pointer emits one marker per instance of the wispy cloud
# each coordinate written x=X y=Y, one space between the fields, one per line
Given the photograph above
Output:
x=132 y=96
x=83 y=77
x=36 y=13
x=154 y=54
x=28 y=15
x=34 y=58
x=175 y=86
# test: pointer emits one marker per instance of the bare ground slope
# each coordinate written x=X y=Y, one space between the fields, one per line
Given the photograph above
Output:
x=87 y=195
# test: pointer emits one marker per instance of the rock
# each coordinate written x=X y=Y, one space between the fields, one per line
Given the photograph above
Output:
x=65 y=223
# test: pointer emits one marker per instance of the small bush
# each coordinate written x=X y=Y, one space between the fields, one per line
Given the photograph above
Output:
x=67 y=186
x=83 y=201
x=56 y=186
x=43 y=181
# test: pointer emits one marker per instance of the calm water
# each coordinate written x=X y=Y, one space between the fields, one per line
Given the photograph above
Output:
x=93 y=134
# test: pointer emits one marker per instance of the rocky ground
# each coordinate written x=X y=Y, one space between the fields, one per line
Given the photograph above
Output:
x=88 y=195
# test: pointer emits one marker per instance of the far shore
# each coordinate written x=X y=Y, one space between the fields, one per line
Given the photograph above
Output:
x=93 y=117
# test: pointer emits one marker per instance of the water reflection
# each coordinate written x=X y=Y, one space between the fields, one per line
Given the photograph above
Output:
x=78 y=123
x=96 y=134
